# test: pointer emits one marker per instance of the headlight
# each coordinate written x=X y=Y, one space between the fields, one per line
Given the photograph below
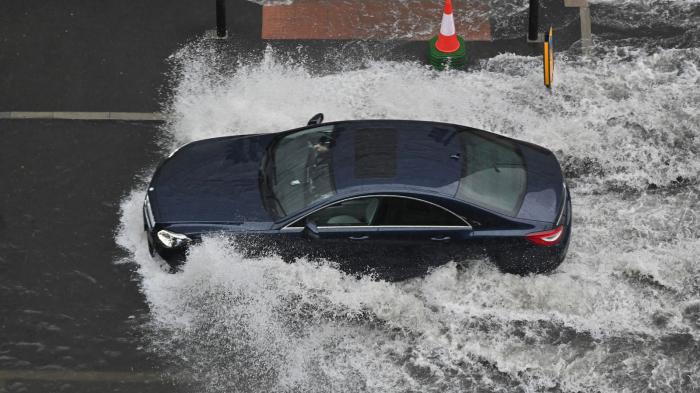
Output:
x=172 y=239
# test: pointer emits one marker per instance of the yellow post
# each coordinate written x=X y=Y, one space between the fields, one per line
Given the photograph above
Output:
x=548 y=58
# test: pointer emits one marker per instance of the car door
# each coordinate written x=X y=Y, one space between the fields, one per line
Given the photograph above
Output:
x=415 y=235
x=341 y=233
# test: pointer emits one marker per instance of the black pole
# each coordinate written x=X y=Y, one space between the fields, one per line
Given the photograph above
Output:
x=220 y=18
x=533 y=20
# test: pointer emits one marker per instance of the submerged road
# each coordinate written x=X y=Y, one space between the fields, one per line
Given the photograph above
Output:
x=70 y=318
x=67 y=308
x=76 y=55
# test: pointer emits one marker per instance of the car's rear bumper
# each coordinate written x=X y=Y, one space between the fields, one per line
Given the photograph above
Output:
x=523 y=256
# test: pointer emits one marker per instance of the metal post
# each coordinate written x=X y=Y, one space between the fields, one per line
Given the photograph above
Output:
x=586 y=40
x=533 y=20
x=549 y=57
x=220 y=18
x=585 y=14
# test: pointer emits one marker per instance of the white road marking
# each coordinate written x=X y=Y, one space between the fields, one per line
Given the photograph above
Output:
x=81 y=376
x=126 y=116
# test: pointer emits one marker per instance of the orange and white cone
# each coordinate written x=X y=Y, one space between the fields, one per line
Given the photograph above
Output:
x=447 y=48
x=447 y=38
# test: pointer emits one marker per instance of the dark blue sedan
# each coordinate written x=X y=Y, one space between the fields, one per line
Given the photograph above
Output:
x=390 y=197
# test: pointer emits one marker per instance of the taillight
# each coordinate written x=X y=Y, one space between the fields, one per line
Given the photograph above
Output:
x=546 y=238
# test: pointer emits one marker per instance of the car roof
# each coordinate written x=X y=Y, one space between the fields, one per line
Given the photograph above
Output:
x=421 y=157
x=398 y=155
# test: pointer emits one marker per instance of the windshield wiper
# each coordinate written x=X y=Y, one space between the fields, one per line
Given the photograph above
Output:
x=267 y=190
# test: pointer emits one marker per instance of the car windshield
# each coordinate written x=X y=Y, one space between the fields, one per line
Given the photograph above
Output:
x=493 y=174
x=298 y=170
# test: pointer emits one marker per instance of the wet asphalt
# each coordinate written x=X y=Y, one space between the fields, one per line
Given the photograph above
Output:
x=65 y=304
x=66 y=308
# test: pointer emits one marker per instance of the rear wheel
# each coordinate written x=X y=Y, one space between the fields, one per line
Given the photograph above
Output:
x=536 y=259
x=524 y=266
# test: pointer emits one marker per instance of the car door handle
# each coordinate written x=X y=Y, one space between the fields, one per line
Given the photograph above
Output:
x=364 y=237
x=440 y=239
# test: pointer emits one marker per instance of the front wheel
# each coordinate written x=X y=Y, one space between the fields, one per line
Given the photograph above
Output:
x=151 y=248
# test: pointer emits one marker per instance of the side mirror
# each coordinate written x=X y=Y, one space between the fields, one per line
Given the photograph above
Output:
x=310 y=229
x=317 y=119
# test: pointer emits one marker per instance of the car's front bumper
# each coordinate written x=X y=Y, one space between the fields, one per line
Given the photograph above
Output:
x=173 y=256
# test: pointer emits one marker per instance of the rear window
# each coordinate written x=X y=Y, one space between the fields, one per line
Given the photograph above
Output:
x=493 y=173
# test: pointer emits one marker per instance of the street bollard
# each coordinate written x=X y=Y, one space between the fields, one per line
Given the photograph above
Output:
x=548 y=58
x=220 y=18
x=532 y=34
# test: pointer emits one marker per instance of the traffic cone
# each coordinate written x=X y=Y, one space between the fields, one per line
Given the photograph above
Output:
x=446 y=50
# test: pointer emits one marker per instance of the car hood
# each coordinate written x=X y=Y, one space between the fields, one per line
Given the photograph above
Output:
x=213 y=180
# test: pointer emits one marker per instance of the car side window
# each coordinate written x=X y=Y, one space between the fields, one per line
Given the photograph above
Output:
x=397 y=211
x=351 y=212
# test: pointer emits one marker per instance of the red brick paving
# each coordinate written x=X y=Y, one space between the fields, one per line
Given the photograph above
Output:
x=372 y=19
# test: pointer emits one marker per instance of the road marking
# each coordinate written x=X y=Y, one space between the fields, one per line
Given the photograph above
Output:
x=80 y=376
x=126 y=116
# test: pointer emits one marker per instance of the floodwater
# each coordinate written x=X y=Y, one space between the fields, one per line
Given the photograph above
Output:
x=621 y=314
